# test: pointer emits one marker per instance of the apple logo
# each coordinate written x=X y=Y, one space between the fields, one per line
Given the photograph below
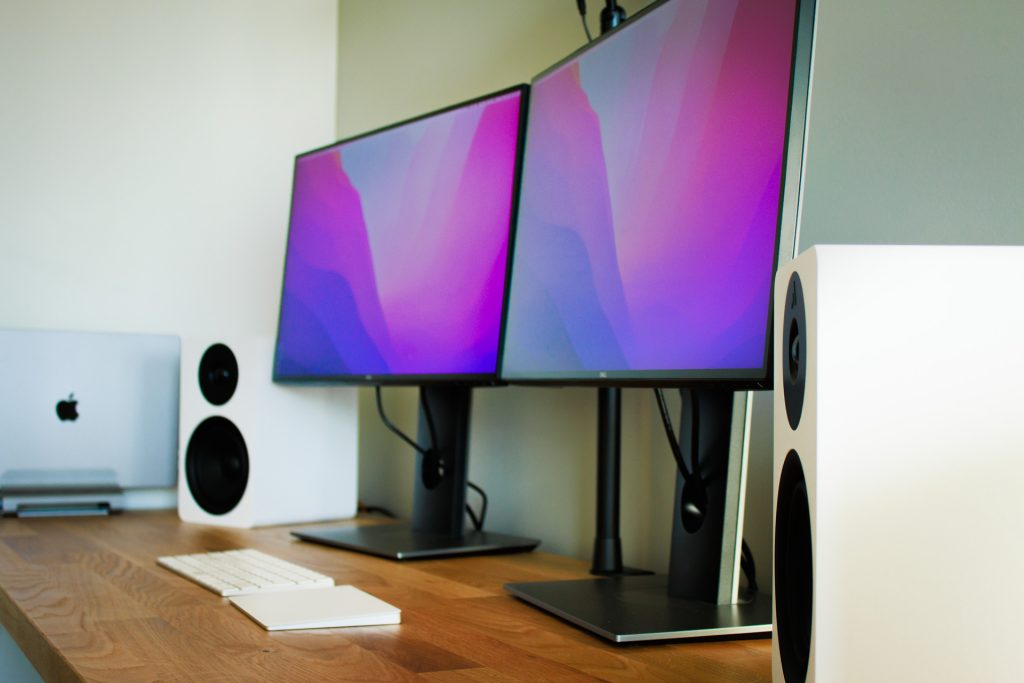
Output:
x=68 y=408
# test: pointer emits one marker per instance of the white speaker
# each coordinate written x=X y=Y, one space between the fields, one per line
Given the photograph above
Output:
x=899 y=464
x=252 y=452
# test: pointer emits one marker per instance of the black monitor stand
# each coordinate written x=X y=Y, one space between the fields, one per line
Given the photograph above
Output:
x=439 y=502
x=607 y=559
x=699 y=596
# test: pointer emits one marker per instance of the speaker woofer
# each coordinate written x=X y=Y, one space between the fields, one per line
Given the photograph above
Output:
x=794 y=573
x=217 y=465
x=218 y=374
x=794 y=350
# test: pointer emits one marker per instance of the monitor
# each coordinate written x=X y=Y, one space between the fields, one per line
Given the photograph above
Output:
x=395 y=273
x=651 y=196
x=660 y=178
x=398 y=249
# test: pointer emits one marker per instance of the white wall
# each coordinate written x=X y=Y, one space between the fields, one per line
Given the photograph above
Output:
x=147 y=152
x=916 y=131
x=145 y=161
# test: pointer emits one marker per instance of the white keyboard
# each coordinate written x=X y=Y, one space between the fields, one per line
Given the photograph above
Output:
x=241 y=572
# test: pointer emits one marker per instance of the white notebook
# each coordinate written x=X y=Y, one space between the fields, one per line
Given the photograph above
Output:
x=317 y=608
x=87 y=410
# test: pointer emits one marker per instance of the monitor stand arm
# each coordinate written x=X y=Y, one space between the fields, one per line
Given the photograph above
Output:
x=607 y=559
x=439 y=489
x=704 y=564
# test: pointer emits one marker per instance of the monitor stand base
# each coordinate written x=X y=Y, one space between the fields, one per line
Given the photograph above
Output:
x=400 y=542
x=634 y=609
x=621 y=571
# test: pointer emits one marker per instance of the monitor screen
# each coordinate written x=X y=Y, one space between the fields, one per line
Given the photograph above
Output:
x=651 y=199
x=397 y=257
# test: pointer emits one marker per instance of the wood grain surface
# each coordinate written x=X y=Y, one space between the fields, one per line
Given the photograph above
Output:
x=85 y=600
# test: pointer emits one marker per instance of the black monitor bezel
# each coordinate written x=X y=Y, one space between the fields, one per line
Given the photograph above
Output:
x=727 y=378
x=473 y=379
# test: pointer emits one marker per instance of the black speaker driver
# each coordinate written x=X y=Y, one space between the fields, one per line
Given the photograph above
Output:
x=218 y=374
x=794 y=571
x=217 y=465
x=794 y=351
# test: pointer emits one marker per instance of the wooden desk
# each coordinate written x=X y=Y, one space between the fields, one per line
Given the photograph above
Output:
x=85 y=599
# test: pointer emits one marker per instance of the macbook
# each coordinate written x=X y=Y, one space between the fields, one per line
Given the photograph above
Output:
x=84 y=411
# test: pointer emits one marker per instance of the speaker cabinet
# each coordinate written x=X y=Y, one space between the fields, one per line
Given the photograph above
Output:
x=899 y=464
x=253 y=452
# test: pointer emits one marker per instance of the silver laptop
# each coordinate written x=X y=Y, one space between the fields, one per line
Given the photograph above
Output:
x=84 y=416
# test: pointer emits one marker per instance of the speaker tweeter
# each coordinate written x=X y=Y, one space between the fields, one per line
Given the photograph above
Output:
x=794 y=376
x=218 y=374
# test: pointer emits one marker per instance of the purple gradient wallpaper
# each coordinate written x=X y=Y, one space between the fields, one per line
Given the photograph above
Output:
x=650 y=196
x=398 y=248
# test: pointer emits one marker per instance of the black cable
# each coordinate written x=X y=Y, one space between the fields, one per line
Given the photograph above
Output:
x=370 y=509
x=581 y=5
x=479 y=524
x=586 y=29
x=670 y=433
x=694 y=431
x=397 y=431
x=748 y=567
x=430 y=419
x=425 y=452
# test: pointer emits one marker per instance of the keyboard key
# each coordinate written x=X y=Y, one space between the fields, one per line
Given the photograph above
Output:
x=243 y=572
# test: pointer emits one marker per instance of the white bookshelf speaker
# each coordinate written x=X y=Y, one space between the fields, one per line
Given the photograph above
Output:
x=899 y=464
x=252 y=452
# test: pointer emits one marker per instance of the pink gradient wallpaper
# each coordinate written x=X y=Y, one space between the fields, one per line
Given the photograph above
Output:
x=398 y=248
x=650 y=197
